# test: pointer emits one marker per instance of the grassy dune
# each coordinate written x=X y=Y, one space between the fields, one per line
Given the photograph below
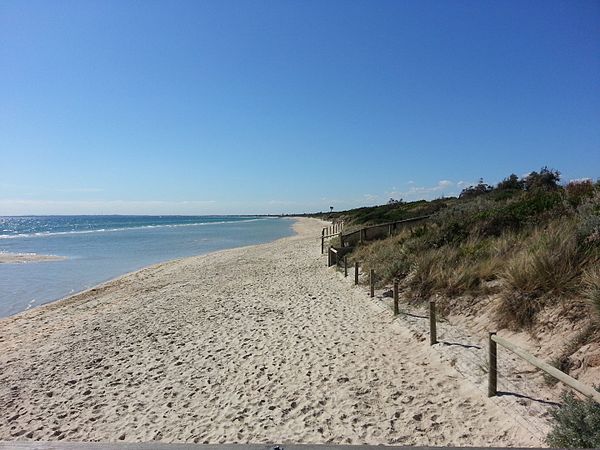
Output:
x=532 y=243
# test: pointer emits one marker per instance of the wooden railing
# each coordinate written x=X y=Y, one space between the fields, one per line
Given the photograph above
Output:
x=552 y=371
x=494 y=339
x=377 y=231
x=334 y=230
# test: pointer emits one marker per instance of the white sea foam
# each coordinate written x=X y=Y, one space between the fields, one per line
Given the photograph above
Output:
x=110 y=230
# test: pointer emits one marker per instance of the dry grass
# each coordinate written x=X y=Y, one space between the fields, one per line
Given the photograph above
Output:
x=549 y=262
x=535 y=267
x=548 y=267
x=591 y=290
x=387 y=257
x=453 y=271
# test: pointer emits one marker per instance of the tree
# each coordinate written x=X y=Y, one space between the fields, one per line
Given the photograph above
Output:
x=546 y=180
x=511 y=182
x=473 y=191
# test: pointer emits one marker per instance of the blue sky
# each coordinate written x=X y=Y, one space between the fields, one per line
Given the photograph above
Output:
x=212 y=107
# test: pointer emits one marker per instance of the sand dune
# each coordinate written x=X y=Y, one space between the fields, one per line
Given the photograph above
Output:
x=251 y=345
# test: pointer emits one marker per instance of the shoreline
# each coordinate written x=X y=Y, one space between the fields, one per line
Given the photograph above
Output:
x=255 y=344
x=14 y=258
x=26 y=258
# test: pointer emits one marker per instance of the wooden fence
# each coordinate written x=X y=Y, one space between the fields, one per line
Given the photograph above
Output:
x=547 y=368
x=381 y=231
x=493 y=340
x=335 y=229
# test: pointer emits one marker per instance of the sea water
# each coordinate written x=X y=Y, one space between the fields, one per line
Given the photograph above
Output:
x=99 y=248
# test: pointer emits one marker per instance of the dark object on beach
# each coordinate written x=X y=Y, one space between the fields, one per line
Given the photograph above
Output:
x=389 y=293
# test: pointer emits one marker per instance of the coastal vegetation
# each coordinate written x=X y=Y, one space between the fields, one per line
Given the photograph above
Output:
x=531 y=240
x=531 y=243
x=577 y=424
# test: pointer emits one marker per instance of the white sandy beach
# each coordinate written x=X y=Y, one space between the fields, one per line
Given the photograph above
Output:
x=251 y=345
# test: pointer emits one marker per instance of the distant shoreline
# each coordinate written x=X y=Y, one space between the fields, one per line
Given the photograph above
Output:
x=79 y=254
x=253 y=344
x=24 y=258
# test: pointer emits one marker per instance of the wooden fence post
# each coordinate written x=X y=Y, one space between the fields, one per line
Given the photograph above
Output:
x=372 y=280
x=493 y=369
x=355 y=272
x=396 y=309
x=328 y=256
x=432 y=324
x=322 y=240
x=345 y=266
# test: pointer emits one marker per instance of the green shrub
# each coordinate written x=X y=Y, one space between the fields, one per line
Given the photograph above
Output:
x=588 y=229
x=536 y=237
x=499 y=195
x=511 y=182
x=454 y=224
x=546 y=179
x=391 y=212
x=523 y=210
x=475 y=191
x=579 y=191
x=577 y=424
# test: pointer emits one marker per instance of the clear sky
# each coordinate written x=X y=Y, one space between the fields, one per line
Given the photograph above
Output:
x=211 y=107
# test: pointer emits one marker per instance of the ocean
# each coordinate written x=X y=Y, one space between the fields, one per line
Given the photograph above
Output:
x=99 y=248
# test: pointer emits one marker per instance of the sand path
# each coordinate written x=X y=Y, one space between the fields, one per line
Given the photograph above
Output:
x=257 y=344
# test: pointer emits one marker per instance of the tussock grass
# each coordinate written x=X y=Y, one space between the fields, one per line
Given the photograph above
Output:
x=591 y=291
x=531 y=243
x=459 y=270
x=387 y=257
x=548 y=267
